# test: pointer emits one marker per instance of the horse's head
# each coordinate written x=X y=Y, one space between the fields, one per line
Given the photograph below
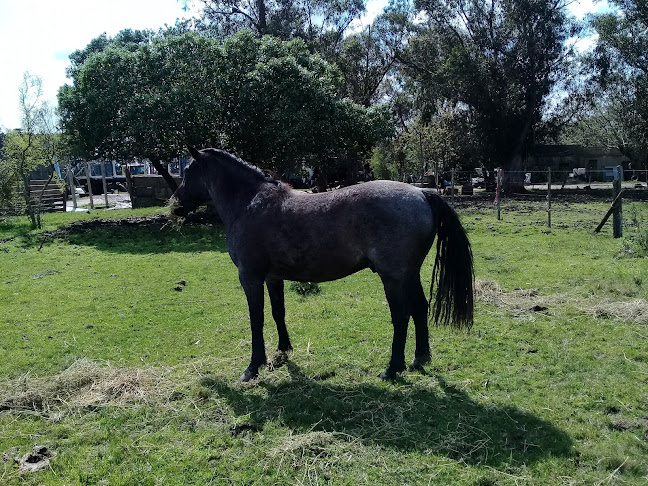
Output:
x=192 y=191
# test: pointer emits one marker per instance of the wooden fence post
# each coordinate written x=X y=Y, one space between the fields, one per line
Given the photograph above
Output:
x=549 y=197
x=103 y=181
x=88 y=172
x=617 y=214
x=72 y=187
x=497 y=194
x=452 y=186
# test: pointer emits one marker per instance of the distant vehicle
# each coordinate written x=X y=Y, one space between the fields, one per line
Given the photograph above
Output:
x=611 y=172
x=115 y=174
x=137 y=169
x=478 y=179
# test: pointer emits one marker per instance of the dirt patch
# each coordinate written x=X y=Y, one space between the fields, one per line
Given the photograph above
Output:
x=158 y=221
x=37 y=459
x=83 y=226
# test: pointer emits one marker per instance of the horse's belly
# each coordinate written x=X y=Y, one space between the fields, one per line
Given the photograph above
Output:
x=317 y=268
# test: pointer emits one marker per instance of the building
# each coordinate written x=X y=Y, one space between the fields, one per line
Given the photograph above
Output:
x=594 y=162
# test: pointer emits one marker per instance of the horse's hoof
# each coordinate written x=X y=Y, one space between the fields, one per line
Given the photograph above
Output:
x=279 y=359
x=248 y=375
x=418 y=362
x=388 y=375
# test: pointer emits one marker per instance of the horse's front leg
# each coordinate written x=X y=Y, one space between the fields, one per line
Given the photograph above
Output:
x=276 y=293
x=253 y=287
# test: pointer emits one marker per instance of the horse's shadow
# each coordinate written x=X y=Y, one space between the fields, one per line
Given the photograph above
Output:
x=436 y=419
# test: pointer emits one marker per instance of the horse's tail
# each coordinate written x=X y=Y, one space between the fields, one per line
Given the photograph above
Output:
x=453 y=272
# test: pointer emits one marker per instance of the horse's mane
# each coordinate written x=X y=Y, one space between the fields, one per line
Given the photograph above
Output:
x=240 y=166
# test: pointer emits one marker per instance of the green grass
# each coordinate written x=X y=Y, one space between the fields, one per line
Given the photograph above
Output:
x=121 y=348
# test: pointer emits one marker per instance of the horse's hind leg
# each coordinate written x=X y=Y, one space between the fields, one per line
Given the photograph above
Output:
x=276 y=293
x=418 y=308
x=396 y=293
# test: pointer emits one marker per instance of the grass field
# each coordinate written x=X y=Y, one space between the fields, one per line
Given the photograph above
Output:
x=121 y=346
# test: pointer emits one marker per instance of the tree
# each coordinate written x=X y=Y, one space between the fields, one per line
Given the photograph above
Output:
x=496 y=62
x=286 y=106
x=128 y=39
x=365 y=59
x=36 y=143
x=321 y=23
x=620 y=70
x=270 y=101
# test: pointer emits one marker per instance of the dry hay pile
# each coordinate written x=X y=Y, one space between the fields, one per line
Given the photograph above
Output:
x=518 y=301
x=175 y=220
x=527 y=301
x=635 y=311
x=316 y=452
x=84 y=384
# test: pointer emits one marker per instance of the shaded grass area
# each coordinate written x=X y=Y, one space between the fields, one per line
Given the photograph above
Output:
x=122 y=345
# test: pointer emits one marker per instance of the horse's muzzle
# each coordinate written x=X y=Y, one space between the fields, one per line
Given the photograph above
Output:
x=180 y=211
x=177 y=209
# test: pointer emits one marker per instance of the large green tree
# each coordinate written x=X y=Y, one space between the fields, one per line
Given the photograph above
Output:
x=367 y=58
x=268 y=100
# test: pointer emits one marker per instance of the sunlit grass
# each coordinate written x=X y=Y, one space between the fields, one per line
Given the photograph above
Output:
x=121 y=348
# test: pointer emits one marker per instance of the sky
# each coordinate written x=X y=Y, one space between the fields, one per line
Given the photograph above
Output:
x=38 y=36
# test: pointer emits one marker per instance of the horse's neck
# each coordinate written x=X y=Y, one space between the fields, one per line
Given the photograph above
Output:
x=232 y=196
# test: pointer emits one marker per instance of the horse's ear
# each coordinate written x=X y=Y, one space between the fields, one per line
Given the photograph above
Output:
x=195 y=153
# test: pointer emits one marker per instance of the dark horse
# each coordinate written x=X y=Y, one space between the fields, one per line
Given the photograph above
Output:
x=275 y=233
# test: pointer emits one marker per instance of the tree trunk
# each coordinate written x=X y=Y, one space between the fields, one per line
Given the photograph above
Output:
x=261 y=12
x=40 y=198
x=27 y=198
x=168 y=178
x=513 y=176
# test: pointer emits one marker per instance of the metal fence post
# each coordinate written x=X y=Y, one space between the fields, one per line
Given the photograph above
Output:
x=103 y=181
x=497 y=194
x=549 y=197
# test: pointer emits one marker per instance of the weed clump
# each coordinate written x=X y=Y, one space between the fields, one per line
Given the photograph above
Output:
x=305 y=288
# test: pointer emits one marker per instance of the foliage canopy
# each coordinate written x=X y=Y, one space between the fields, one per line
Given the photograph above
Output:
x=270 y=101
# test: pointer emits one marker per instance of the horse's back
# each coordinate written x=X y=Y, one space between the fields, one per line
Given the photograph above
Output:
x=329 y=235
x=373 y=208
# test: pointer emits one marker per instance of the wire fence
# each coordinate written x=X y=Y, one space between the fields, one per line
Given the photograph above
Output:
x=539 y=179
x=553 y=198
